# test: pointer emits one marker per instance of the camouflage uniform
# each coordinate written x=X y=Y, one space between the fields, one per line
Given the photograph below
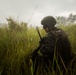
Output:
x=57 y=40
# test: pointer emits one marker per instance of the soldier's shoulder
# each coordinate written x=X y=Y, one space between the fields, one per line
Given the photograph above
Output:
x=58 y=32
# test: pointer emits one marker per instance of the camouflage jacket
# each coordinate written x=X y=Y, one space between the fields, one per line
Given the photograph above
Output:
x=56 y=39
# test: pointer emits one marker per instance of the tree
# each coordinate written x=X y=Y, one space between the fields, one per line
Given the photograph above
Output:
x=61 y=20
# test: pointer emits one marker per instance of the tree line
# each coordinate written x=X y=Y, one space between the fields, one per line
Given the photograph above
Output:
x=62 y=20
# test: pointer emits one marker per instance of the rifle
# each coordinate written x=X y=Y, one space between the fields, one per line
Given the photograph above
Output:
x=36 y=50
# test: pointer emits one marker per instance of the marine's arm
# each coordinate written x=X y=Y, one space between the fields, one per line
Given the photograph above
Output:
x=49 y=44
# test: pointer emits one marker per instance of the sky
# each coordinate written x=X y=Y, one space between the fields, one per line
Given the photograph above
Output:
x=32 y=11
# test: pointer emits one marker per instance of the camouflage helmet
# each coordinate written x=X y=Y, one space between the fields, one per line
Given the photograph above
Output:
x=49 y=21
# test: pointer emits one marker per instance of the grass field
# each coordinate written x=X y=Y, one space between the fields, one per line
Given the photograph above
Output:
x=17 y=41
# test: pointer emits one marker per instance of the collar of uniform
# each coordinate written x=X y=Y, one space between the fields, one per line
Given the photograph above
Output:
x=52 y=29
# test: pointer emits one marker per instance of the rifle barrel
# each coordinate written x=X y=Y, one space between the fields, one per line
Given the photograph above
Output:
x=38 y=32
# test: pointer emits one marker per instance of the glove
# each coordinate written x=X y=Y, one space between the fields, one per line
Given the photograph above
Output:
x=42 y=41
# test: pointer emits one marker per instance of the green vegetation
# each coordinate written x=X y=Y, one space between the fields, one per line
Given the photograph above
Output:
x=17 y=41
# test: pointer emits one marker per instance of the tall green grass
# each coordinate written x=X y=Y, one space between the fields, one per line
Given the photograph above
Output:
x=17 y=41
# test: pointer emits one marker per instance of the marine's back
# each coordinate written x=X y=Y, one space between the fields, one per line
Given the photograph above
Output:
x=56 y=39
